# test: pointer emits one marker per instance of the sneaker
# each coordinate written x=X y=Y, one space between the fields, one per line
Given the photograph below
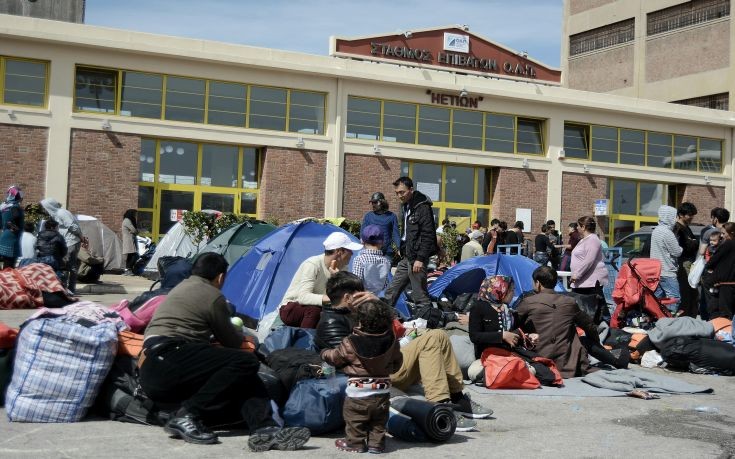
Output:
x=286 y=439
x=190 y=428
x=376 y=449
x=464 y=424
x=471 y=409
x=342 y=445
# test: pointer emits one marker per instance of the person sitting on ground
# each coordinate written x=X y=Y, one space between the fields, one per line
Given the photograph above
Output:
x=427 y=359
x=371 y=266
x=473 y=248
x=178 y=364
x=302 y=303
x=91 y=267
x=554 y=318
x=345 y=291
x=368 y=356
x=50 y=245
x=28 y=241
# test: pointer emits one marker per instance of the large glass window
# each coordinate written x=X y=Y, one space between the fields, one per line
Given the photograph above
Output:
x=141 y=95
x=624 y=197
x=399 y=122
x=427 y=178
x=576 y=141
x=659 y=150
x=267 y=108
x=219 y=165
x=178 y=163
x=685 y=153
x=456 y=181
x=227 y=103
x=95 y=90
x=529 y=137
x=306 y=112
x=185 y=99
x=24 y=82
x=632 y=147
x=467 y=130
x=604 y=144
x=434 y=126
x=147 y=160
x=499 y=133
x=634 y=204
x=363 y=118
x=710 y=155
x=250 y=168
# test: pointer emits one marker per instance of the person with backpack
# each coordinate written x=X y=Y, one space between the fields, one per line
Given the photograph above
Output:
x=50 y=245
x=178 y=363
x=368 y=357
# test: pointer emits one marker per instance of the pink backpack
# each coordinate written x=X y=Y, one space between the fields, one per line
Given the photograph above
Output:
x=138 y=320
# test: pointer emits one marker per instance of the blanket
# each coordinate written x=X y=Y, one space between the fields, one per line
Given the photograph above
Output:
x=628 y=380
x=573 y=387
x=23 y=288
x=675 y=327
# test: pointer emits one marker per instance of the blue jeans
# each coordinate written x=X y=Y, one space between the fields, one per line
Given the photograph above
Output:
x=668 y=287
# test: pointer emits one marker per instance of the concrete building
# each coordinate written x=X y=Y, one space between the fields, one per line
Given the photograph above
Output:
x=670 y=50
x=105 y=120
x=57 y=10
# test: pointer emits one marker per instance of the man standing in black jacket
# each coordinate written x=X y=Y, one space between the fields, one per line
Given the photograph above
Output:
x=418 y=243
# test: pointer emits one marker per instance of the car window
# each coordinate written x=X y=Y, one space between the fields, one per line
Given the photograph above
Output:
x=635 y=245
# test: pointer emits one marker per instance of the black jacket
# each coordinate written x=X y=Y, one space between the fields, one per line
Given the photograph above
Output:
x=723 y=262
x=420 y=243
x=334 y=325
x=51 y=244
x=486 y=327
x=687 y=242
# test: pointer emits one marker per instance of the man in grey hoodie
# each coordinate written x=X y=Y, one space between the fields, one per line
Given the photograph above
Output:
x=666 y=249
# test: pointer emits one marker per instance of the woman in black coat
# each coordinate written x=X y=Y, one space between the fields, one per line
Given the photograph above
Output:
x=722 y=266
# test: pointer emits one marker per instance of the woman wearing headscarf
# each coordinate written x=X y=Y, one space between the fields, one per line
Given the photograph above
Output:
x=12 y=219
x=129 y=241
x=491 y=321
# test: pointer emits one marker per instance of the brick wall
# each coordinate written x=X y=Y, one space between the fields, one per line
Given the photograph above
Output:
x=23 y=158
x=103 y=175
x=578 y=195
x=364 y=175
x=705 y=198
x=520 y=188
x=292 y=184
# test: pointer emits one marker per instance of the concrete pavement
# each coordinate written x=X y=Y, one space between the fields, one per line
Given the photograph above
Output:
x=522 y=426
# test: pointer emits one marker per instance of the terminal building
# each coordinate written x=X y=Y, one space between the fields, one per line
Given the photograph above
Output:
x=105 y=120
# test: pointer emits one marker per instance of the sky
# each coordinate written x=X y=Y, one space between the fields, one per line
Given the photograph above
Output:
x=305 y=26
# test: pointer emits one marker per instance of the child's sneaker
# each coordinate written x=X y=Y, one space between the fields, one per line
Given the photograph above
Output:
x=342 y=445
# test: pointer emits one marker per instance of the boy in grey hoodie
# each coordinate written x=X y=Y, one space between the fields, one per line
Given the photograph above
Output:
x=666 y=249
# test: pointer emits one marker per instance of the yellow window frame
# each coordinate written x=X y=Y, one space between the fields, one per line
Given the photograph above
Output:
x=638 y=220
x=47 y=66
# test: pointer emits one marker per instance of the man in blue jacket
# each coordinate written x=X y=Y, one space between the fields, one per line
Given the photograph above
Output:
x=386 y=220
x=418 y=243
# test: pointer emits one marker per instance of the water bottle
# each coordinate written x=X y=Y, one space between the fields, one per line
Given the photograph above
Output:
x=328 y=373
x=408 y=337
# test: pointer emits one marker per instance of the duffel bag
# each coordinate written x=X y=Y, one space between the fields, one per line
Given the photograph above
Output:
x=505 y=370
x=316 y=404
x=59 y=368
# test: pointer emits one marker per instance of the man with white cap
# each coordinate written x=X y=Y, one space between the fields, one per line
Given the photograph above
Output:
x=473 y=248
x=301 y=306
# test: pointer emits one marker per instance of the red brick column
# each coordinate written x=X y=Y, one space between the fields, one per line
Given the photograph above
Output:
x=520 y=188
x=23 y=158
x=578 y=195
x=103 y=175
x=292 y=184
x=364 y=175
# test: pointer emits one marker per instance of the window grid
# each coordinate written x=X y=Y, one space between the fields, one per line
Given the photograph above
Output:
x=320 y=123
x=715 y=101
x=701 y=163
x=686 y=14
x=486 y=133
x=3 y=86
x=602 y=37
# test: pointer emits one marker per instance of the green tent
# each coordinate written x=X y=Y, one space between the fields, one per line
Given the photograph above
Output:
x=237 y=239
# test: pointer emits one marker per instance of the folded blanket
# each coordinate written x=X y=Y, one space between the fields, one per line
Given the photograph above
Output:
x=674 y=327
x=628 y=380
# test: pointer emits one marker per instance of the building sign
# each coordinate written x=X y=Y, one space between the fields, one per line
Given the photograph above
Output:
x=447 y=49
x=456 y=42
x=601 y=207
x=176 y=215
x=453 y=99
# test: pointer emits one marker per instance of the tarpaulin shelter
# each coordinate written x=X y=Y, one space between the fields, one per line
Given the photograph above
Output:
x=236 y=240
x=259 y=280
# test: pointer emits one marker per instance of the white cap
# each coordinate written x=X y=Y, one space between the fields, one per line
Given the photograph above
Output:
x=476 y=234
x=339 y=240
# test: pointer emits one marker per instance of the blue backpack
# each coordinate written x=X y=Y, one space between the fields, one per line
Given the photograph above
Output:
x=316 y=404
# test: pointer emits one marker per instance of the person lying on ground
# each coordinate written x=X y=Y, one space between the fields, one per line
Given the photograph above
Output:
x=302 y=304
x=178 y=364
x=427 y=359
x=367 y=356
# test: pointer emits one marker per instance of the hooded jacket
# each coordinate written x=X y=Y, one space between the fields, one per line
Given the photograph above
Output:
x=664 y=245
x=68 y=224
x=363 y=354
x=418 y=218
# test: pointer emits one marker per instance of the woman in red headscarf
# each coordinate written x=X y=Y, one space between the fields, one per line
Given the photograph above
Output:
x=491 y=321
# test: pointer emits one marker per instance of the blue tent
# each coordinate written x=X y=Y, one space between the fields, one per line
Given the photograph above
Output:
x=257 y=282
x=467 y=276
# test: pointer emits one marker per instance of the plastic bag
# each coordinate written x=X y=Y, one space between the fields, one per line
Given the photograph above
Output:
x=695 y=273
x=651 y=359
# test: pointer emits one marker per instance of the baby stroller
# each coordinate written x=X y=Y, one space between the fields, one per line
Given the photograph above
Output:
x=634 y=296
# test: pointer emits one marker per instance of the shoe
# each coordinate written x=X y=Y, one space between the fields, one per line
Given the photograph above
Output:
x=464 y=424
x=285 y=439
x=191 y=429
x=342 y=445
x=376 y=450
x=471 y=409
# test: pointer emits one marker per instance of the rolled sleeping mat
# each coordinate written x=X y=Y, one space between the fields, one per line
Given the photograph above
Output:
x=403 y=428
x=436 y=420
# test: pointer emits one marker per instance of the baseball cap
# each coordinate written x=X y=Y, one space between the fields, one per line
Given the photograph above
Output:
x=372 y=234
x=339 y=240
x=476 y=234
x=377 y=196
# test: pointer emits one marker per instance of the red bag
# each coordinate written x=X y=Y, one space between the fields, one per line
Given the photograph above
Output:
x=7 y=336
x=505 y=370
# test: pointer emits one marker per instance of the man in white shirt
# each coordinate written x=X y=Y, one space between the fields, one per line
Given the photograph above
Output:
x=301 y=306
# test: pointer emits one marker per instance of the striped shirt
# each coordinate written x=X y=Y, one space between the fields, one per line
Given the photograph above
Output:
x=373 y=269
